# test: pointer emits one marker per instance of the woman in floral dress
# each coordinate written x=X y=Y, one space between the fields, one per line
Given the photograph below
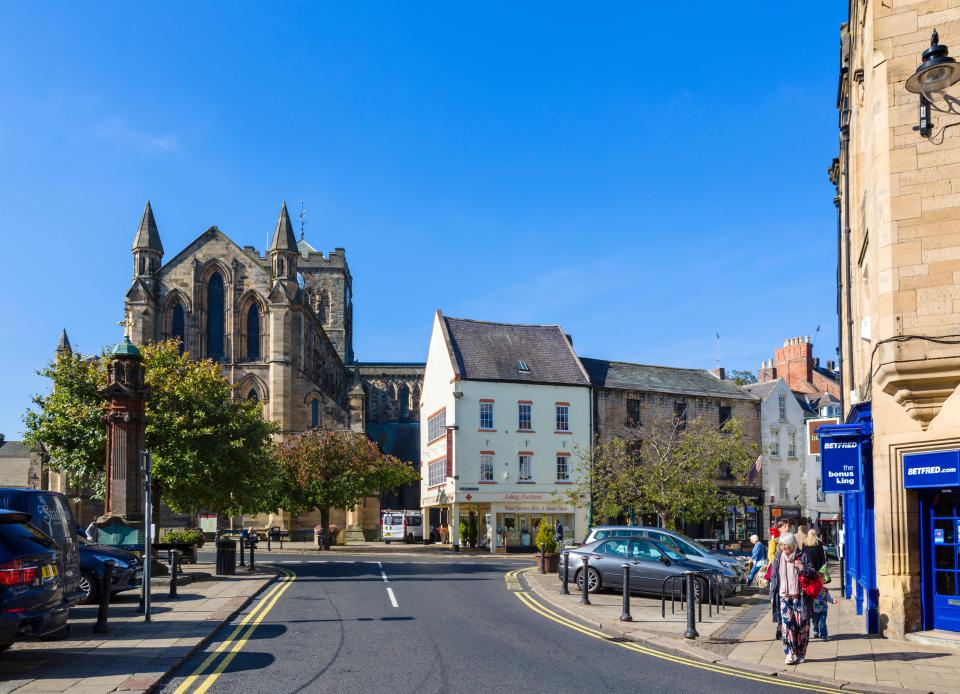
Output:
x=786 y=596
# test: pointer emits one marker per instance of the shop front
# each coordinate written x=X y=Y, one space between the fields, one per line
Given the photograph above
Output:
x=936 y=478
x=518 y=516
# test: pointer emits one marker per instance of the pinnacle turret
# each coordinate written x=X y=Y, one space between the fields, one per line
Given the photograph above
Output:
x=64 y=345
x=148 y=236
x=283 y=238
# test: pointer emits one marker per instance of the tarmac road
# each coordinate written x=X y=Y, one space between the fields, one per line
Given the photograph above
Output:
x=390 y=624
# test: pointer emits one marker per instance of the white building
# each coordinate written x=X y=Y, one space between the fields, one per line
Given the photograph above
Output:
x=791 y=464
x=504 y=412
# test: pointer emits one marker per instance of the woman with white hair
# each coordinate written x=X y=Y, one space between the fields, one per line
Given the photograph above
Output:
x=788 y=600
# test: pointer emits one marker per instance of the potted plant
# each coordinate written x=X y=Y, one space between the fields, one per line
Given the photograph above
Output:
x=187 y=541
x=547 y=557
x=464 y=531
x=472 y=529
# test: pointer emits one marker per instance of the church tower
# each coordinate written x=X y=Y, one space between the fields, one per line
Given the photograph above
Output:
x=283 y=250
x=140 y=304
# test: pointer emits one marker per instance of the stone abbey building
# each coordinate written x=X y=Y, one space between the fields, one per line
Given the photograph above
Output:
x=281 y=325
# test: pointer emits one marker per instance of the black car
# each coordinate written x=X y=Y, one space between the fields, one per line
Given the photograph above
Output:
x=50 y=512
x=127 y=569
x=32 y=601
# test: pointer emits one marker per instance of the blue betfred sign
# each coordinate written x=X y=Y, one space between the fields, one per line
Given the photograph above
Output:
x=840 y=465
x=937 y=469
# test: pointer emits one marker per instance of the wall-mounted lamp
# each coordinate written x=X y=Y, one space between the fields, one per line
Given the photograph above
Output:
x=930 y=80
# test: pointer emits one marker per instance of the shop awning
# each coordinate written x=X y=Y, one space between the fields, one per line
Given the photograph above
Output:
x=829 y=518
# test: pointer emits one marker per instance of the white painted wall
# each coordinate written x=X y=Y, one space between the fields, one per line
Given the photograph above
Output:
x=773 y=429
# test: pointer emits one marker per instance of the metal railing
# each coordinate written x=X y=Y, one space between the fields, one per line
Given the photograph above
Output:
x=689 y=588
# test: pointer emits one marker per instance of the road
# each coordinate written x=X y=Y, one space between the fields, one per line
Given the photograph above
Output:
x=390 y=623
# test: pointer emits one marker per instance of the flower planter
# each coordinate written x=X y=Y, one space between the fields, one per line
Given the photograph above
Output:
x=549 y=562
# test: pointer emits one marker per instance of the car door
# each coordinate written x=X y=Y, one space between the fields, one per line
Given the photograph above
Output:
x=613 y=554
x=649 y=570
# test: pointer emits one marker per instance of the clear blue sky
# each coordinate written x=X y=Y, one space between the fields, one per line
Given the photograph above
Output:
x=643 y=175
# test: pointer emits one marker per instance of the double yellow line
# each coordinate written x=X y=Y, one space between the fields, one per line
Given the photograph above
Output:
x=511 y=579
x=234 y=643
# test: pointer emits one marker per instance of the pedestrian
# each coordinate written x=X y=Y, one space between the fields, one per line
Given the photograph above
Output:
x=787 y=598
x=758 y=557
x=821 y=604
x=813 y=548
x=93 y=532
x=772 y=545
x=558 y=531
x=801 y=536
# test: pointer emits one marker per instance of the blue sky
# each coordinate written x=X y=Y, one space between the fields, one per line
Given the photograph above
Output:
x=643 y=176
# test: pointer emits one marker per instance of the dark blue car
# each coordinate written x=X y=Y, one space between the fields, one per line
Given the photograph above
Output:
x=32 y=599
x=127 y=569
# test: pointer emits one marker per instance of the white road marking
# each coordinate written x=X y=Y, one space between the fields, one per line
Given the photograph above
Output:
x=344 y=561
x=318 y=561
x=393 y=599
x=384 y=574
x=288 y=562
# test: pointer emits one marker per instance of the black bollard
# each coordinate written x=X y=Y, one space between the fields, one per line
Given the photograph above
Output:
x=564 y=589
x=105 y=585
x=543 y=557
x=691 y=632
x=584 y=573
x=269 y=538
x=253 y=544
x=625 y=614
x=242 y=540
x=174 y=566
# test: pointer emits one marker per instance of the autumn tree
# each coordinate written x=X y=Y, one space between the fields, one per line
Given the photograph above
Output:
x=667 y=466
x=322 y=469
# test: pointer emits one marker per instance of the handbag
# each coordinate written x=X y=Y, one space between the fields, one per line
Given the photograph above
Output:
x=811 y=586
x=768 y=573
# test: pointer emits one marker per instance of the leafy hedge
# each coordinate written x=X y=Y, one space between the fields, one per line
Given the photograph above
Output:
x=190 y=537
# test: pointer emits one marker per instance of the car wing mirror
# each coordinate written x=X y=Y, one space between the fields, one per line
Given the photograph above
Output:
x=664 y=560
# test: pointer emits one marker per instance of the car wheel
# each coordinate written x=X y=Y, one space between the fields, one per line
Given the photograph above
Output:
x=593 y=580
x=386 y=542
x=410 y=539
x=89 y=584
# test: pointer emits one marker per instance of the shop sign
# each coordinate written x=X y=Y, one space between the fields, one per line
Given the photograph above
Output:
x=840 y=465
x=813 y=433
x=523 y=496
x=937 y=469
x=938 y=536
x=534 y=508
x=468 y=489
x=751 y=509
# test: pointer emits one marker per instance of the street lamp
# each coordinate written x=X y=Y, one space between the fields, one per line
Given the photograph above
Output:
x=930 y=80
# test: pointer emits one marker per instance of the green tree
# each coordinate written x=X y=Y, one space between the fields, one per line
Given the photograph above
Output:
x=210 y=450
x=322 y=469
x=67 y=422
x=742 y=377
x=665 y=466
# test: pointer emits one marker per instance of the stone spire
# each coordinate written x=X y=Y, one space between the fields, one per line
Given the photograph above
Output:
x=64 y=346
x=283 y=238
x=148 y=236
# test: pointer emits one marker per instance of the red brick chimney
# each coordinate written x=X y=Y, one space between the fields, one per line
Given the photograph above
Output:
x=794 y=363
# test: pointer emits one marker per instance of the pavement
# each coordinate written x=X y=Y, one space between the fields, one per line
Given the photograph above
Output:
x=135 y=655
x=362 y=622
x=742 y=637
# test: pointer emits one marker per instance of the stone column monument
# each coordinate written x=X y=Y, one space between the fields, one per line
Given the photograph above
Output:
x=126 y=395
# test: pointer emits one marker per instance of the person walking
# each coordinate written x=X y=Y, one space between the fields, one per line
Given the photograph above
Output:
x=801 y=536
x=558 y=531
x=758 y=556
x=787 y=598
x=821 y=604
x=772 y=545
x=814 y=550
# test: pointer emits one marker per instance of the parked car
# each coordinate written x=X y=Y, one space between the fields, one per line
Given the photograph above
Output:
x=674 y=541
x=404 y=526
x=50 y=512
x=127 y=569
x=32 y=601
x=651 y=563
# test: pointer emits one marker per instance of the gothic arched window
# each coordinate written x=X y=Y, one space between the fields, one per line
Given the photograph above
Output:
x=252 y=395
x=404 y=398
x=253 y=332
x=315 y=412
x=178 y=327
x=215 y=308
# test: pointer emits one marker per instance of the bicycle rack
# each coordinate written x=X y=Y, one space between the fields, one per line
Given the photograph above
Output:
x=710 y=583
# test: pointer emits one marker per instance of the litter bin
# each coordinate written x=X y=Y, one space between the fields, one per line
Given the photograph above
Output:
x=226 y=557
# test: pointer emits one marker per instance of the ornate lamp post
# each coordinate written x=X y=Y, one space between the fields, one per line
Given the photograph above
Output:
x=930 y=80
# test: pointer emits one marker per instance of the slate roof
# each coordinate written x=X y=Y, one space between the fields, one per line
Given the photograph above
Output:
x=660 y=379
x=14 y=449
x=283 y=238
x=147 y=234
x=483 y=351
x=761 y=390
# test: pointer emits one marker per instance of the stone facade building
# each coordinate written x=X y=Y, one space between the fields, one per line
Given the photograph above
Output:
x=281 y=325
x=899 y=300
x=625 y=395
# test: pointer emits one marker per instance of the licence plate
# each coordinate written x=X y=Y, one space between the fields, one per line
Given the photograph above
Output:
x=48 y=571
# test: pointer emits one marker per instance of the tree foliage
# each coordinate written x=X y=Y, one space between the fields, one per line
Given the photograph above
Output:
x=210 y=451
x=742 y=377
x=322 y=469
x=67 y=421
x=667 y=467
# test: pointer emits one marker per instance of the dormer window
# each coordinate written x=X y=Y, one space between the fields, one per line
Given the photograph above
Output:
x=522 y=366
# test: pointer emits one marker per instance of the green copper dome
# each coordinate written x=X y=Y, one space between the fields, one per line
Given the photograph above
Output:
x=126 y=349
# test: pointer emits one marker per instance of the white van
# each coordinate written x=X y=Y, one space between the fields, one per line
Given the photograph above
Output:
x=406 y=526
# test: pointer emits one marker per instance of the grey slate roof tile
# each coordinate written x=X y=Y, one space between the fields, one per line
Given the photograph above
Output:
x=662 y=379
x=490 y=352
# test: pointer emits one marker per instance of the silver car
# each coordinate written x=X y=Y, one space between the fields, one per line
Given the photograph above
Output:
x=675 y=541
x=651 y=563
